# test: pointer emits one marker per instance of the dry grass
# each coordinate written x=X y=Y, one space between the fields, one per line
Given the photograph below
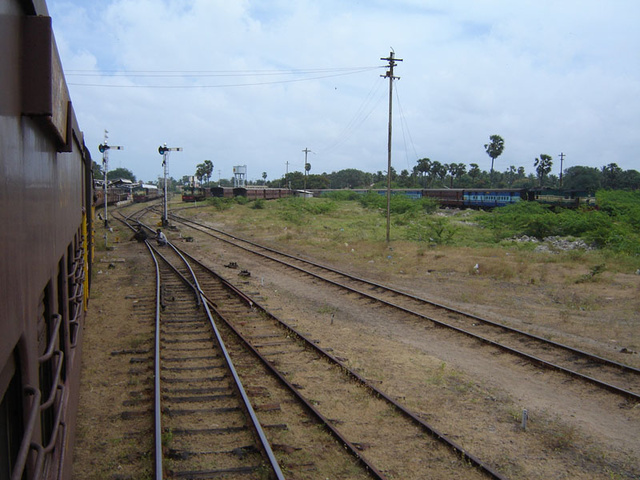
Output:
x=574 y=293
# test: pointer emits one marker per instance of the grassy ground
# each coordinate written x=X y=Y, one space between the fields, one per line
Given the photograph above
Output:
x=454 y=257
x=339 y=226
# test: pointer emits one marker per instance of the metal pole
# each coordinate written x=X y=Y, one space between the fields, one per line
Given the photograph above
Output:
x=105 y=164
x=306 y=151
x=164 y=151
x=104 y=149
x=165 y=222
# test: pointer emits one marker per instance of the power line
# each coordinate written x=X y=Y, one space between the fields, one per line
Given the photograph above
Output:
x=211 y=73
x=405 y=128
x=364 y=111
x=226 y=85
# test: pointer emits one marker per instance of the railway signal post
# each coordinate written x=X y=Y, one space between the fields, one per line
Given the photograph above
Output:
x=164 y=151
x=307 y=167
x=104 y=150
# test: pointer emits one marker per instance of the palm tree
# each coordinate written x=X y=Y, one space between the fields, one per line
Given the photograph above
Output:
x=208 y=169
x=424 y=166
x=543 y=166
x=494 y=149
x=456 y=170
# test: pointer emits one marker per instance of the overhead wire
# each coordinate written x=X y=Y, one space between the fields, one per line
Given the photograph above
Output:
x=209 y=73
x=312 y=74
x=405 y=131
x=364 y=111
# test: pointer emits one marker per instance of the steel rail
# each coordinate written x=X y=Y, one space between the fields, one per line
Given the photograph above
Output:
x=264 y=442
x=590 y=356
x=157 y=393
x=435 y=433
x=157 y=405
x=325 y=421
x=208 y=303
x=607 y=386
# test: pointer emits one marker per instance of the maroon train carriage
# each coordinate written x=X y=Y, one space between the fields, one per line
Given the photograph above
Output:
x=46 y=208
x=446 y=197
x=221 y=192
x=145 y=193
x=251 y=193
x=114 y=195
x=255 y=193
x=193 y=194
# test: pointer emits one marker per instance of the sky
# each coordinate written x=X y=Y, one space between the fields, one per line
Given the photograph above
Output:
x=256 y=82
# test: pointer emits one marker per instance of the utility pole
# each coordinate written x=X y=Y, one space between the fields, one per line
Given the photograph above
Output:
x=392 y=63
x=164 y=151
x=306 y=151
x=561 y=162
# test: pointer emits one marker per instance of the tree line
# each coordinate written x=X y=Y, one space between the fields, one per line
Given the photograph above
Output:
x=428 y=173
x=458 y=176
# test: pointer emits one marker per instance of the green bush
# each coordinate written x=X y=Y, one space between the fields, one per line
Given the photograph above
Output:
x=434 y=230
x=341 y=195
x=579 y=223
x=428 y=205
x=372 y=201
x=297 y=210
x=398 y=205
x=221 y=204
x=522 y=218
x=615 y=225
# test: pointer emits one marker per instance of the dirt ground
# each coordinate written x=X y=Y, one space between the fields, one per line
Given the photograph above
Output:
x=470 y=392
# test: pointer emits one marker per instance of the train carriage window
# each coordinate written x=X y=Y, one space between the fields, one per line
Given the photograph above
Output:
x=11 y=426
x=47 y=370
x=64 y=313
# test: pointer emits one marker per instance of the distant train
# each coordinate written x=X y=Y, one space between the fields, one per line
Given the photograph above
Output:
x=194 y=194
x=255 y=193
x=197 y=194
x=491 y=197
x=114 y=195
x=146 y=193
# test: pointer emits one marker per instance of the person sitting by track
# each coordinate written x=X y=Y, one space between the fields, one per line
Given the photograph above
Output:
x=161 y=238
x=140 y=234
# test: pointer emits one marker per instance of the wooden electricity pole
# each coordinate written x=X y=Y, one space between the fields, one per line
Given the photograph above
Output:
x=391 y=59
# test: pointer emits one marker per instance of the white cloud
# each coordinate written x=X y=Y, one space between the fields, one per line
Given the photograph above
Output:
x=547 y=76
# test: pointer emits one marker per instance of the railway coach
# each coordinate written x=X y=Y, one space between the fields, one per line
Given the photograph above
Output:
x=145 y=193
x=251 y=193
x=193 y=194
x=46 y=211
x=489 y=197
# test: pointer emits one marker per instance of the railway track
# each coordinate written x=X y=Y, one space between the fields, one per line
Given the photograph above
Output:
x=621 y=379
x=205 y=425
x=384 y=437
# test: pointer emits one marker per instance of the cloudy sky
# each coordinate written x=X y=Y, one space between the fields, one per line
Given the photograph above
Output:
x=255 y=82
